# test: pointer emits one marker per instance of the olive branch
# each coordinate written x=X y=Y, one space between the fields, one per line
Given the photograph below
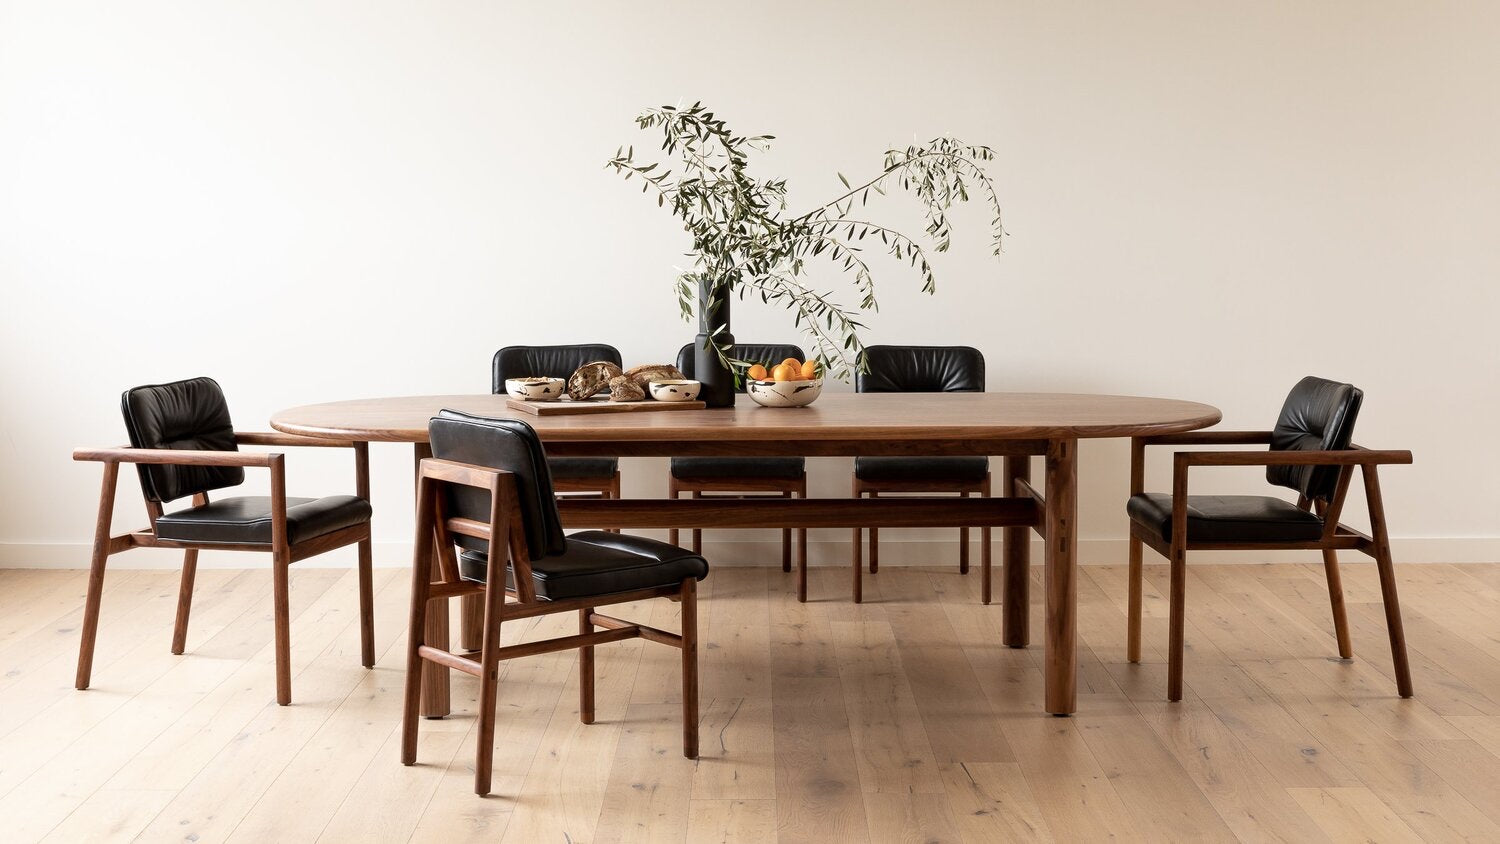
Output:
x=744 y=243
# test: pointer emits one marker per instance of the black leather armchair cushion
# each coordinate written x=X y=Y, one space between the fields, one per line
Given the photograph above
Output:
x=1318 y=415
x=598 y=563
x=922 y=469
x=189 y=414
x=1227 y=518
x=702 y=468
x=583 y=467
x=247 y=520
x=921 y=369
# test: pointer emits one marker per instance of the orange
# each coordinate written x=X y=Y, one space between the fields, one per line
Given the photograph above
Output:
x=784 y=372
x=758 y=373
x=793 y=363
x=809 y=370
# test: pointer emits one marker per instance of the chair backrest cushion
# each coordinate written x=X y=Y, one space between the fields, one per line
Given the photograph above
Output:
x=507 y=444
x=1318 y=416
x=767 y=353
x=921 y=369
x=546 y=361
x=189 y=414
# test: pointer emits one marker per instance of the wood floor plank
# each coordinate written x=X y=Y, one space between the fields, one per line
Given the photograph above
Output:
x=890 y=743
x=991 y=801
x=1353 y=815
x=818 y=797
x=730 y=821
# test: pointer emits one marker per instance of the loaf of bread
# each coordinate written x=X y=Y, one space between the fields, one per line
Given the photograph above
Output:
x=646 y=373
x=590 y=378
x=624 y=388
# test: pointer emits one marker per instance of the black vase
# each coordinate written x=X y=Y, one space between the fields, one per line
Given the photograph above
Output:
x=713 y=320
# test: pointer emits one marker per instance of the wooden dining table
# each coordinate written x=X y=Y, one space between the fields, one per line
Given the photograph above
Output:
x=1013 y=426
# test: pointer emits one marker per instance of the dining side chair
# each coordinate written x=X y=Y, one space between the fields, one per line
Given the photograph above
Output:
x=745 y=476
x=599 y=476
x=183 y=444
x=1311 y=453
x=487 y=490
x=921 y=369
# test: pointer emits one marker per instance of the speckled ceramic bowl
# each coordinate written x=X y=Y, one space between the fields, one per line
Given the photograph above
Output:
x=785 y=393
x=535 y=389
x=675 y=390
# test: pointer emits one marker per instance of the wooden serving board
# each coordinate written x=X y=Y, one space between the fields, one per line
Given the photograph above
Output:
x=565 y=407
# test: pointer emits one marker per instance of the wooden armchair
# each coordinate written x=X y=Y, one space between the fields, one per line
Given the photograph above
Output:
x=487 y=490
x=183 y=444
x=1310 y=452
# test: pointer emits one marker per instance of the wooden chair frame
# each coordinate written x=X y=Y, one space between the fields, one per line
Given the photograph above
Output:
x=283 y=552
x=507 y=540
x=742 y=488
x=1335 y=536
x=963 y=488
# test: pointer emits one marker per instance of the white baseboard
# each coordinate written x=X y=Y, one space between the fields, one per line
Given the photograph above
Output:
x=893 y=552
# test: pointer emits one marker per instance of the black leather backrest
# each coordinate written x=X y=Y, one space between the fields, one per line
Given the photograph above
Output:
x=921 y=369
x=189 y=414
x=1318 y=416
x=767 y=353
x=508 y=444
x=546 y=361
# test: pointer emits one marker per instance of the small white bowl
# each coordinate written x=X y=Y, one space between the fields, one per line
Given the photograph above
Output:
x=675 y=390
x=785 y=393
x=535 y=389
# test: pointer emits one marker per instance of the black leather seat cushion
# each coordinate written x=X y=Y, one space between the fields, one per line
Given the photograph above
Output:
x=598 y=563
x=583 y=467
x=700 y=468
x=189 y=414
x=1227 y=518
x=922 y=469
x=247 y=520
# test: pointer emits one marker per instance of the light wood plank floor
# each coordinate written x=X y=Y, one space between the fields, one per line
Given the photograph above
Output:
x=897 y=720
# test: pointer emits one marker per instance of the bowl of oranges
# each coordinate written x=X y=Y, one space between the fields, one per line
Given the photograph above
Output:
x=790 y=383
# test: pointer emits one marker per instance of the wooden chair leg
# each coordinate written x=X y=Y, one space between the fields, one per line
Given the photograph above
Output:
x=96 y=576
x=690 y=668
x=366 y=605
x=421 y=588
x=874 y=542
x=786 y=541
x=586 y=670
x=672 y=493
x=1336 y=601
x=184 y=600
x=1133 y=611
x=613 y=492
x=1387 y=570
x=1016 y=568
x=1177 y=624
x=489 y=688
x=281 y=565
x=802 y=550
x=697 y=534
x=858 y=547
x=963 y=545
x=984 y=551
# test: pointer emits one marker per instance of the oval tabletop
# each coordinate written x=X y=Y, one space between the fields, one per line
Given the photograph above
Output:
x=840 y=416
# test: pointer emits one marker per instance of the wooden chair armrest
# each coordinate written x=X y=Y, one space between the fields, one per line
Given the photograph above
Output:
x=1354 y=456
x=464 y=474
x=174 y=457
x=1209 y=438
x=278 y=438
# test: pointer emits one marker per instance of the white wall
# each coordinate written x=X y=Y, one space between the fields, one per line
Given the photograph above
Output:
x=315 y=201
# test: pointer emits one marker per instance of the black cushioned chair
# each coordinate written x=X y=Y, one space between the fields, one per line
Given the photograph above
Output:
x=741 y=477
x=1310 y=453
x=488 y=491
x=922 y=369
x=597 y=475
x=184 y=445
